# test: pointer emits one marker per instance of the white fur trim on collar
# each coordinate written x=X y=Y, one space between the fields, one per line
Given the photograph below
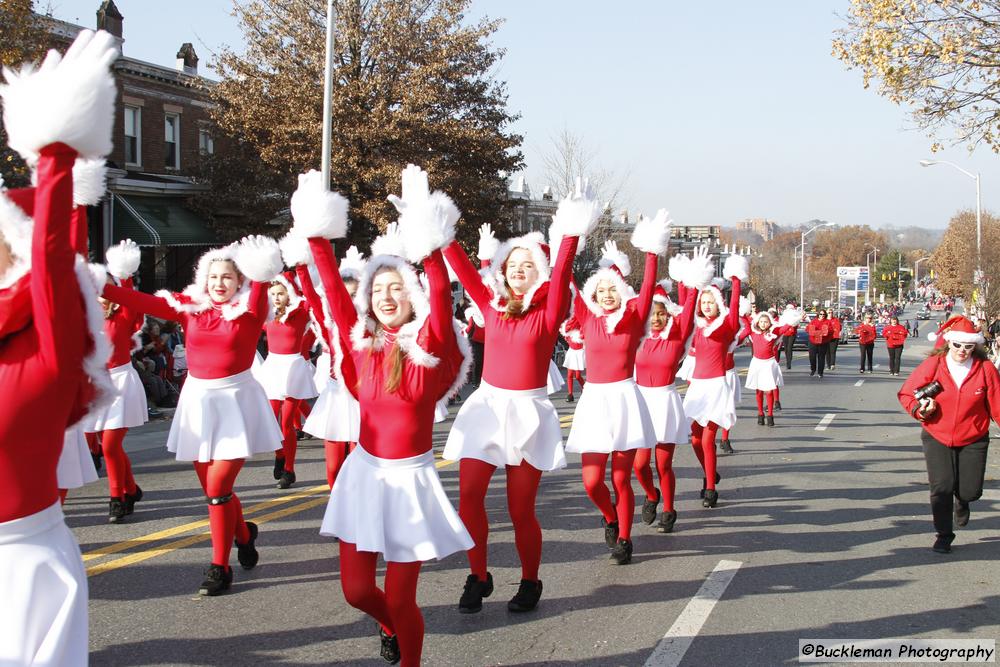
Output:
x=531 y=242
x=195 y=298
x=612 y=319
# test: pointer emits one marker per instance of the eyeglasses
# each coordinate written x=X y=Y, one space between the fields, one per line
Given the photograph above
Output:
x=963 y=346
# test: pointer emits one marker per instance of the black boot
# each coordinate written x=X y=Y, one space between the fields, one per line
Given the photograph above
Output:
x=649 y=509
x=777 y=405
x=622 y=553
x=390 y=647
x=247 y=554
x=711 y=498
x=569 y=398
x=942 y=544
x=217 y=580
x=527 y=597
x=116 y=510
x=770 y=420
x=962 y=513
x=287 y=479
x=704 y=485
x=726 y=447
x=131 y=499
x=471 y=601
x=610 y=533
x=760 y=420
x=279 y=467
x=667 y=521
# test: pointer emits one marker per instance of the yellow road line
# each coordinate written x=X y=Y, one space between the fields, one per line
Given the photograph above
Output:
x=141 y=556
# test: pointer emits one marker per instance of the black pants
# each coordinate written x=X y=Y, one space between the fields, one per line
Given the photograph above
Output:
x=831 y=353
x=953 y=472
x=817 y=357
x=867 y=351
x=895 y=356
x=789 y=343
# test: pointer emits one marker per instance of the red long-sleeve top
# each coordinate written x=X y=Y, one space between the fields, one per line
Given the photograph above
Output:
x=398 y=424
x=765 y=344
x=285 y=335
x=963 y=413
x=216 y=347
x=866 y=333
x=41 y=365
x=611 y=356
x=338 y=369
x=836 y=328
x=518 y=350
x=713 y=347
x=120 y=328
x=895 y=335
x=659 y=357
x=819 y=331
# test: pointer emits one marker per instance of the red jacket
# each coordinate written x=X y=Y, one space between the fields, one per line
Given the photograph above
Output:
x=819 y=331
x=836 y=327
x=895 y=335
x=866 y=333
x=963 y=414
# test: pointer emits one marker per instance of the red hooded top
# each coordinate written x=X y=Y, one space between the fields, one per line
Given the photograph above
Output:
x=659 y=355
x=713 y=338
x=120 y=328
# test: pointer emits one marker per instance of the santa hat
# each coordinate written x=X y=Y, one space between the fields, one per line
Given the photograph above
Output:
x=661 y=295
x=534 y=243
x=958 y=329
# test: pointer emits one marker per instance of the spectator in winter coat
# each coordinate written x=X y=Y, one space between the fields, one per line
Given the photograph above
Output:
x=895 y=336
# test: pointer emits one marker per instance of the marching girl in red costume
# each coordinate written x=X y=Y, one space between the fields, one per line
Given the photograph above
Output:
x=732 y=377
x=406 y=350
x=764 y=374
x=223 y=416
x=611 y=419
x=575 y=361
x=509 y=421
x=52 y=349
x=710 y=401
x=286 y=376
x=656 y=363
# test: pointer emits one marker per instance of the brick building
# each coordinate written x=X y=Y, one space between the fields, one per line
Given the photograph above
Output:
x=763 y=227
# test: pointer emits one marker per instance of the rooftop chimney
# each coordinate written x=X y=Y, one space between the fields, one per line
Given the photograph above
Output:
x=187 y=59
x=109 y=18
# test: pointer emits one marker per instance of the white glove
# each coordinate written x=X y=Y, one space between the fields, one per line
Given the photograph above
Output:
x=68 y=99
x=259 y=258
x=390 y=242
x=678 y=268
x=317 y=212
x=578 y=212
x=488 y=244
x=353 y=261
x=737 y=267
x=123 y=259
x=653 y=235
x=89 y=181
x=426 y=220
x=295 y=249
x=612 y=256
x=701 y=269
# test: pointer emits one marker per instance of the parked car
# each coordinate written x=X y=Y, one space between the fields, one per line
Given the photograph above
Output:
x=924 y=315
x=848 y=332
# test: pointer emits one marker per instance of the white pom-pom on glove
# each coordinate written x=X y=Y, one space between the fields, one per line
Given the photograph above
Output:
x=556 y=239
x=123 y=259
x=316 y=211
x=295 y=250
x=791 y=317
x=68 y=99
x=426 y=219
x=745 y=305
x=353 y=261
x=390 y=242
x=653 y=235
x=488 y=244
x=678 y=268
x=701 y=270
x=612 y=256
x=578 y=212
x=737 y=267
x=89 y=181
x=259 y=258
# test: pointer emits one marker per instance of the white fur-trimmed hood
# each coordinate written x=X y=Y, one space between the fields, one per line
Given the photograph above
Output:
x=626 y=293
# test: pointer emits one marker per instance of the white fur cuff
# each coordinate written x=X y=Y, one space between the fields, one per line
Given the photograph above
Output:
x=428 y=224
x=295 y=249
x=259 y=258
x=89 y=181
x=737 y=267
x=123 y=259
x=317 y=212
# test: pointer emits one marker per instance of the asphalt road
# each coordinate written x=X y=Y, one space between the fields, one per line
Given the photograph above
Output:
x=818 y=534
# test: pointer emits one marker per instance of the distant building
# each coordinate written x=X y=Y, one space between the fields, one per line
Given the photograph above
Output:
x=763 y=227
x=530 y=214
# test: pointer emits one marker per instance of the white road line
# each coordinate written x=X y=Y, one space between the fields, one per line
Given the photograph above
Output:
x=671 y=649
x=825 y=421
x=875 y=366
x=859 y=383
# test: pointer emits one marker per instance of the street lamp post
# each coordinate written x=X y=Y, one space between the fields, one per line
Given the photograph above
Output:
x=802 y=267
x=916 y=271
x=868 y=287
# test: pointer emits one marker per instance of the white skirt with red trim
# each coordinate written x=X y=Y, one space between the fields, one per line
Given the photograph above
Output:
x=506 y=427
x=575 y=360
x=764 y=375
x=336 y=416
x=666 y=411
x=395 y=507
x=286 y=376
x=712 y=400
x=610 y=417
x=76 y=465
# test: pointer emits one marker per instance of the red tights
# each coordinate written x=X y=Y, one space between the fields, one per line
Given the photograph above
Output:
x=703 y=443
x=522 y=487
x=770 y=401
x=286 y=412
x=594 y=471
x=665 y=469
x=225 y=519
x=570 y=375
x=396 y=608
x=120 y=480
x=335 y=454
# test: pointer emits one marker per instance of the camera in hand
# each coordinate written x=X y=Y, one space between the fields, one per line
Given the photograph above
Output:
x=929 y=390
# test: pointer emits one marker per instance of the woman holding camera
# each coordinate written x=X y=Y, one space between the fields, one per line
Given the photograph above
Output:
x=953 y=394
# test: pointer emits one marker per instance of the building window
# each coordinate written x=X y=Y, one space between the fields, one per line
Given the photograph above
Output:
x=172 y=141
x=206 y=145
x=133 y=135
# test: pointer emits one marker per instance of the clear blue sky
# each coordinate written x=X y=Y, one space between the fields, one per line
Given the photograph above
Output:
x=720 y=111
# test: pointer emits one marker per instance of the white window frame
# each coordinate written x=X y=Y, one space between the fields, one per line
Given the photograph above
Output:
x=177 y=138
x=206 y=142
x=138 y=135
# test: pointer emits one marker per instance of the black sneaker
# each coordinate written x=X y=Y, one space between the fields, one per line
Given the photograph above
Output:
x=287 y=479
x=812 y=373
x=961 y=514
x=622 y=553
x=279 y=467
x=390 y=647
x=726 y=447
x=667 y=521
x=711 y=498
x=116 y=510
x=942 y=544
x=301 y=435
x=777 y=405
x=131 y=499
x=610 y=533
x=569 y=398
x=760 y=420
x=526 y=599
x=649 y=509
x=862 y=371
x=770 y=420
x=704 y=486
x=247 y=554
x=217 y=580
x=471 y=601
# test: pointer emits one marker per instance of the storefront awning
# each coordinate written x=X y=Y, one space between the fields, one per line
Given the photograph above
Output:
x=158 y=221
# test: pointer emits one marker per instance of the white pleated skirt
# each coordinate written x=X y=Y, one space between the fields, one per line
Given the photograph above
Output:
x=441 y=411
x=128 y=409
x=76 y=465
x=666 y=411
x=322 y=372
x=395 y=507
x=43 y=585
x=764 y=374
x=712 y=400
x=733 y=382
x=575 y=360
x=507 y=426
x=223 y=419
x=258 y=361
x=610 y=417
x=686 y=369
x=555 y=381
x=286 y=376
x=336 y=415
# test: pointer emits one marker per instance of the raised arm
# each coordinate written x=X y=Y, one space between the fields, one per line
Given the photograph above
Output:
x=652 y=237
x=645 y=302
x=341 y=306
x=259 y=259
x=468 y=275
x=140 y=302
x=687 y=315
x=312 y=298
x=736 y=269
x=442 y=333
x=557 y=304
